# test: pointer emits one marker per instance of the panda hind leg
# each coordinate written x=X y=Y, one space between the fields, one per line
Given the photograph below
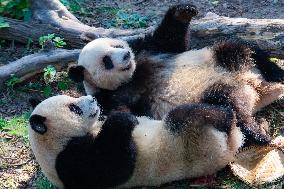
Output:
x=233 y=56
x=194 y=115
x=268 y=93
x=242 y=103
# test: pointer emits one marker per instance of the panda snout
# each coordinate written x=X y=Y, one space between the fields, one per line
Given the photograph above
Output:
x=126 y=57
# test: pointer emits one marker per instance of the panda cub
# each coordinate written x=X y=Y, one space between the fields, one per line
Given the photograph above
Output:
x=224 y=74
x=76 y=149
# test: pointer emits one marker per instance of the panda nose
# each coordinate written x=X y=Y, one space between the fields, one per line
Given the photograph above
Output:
x=126 y=56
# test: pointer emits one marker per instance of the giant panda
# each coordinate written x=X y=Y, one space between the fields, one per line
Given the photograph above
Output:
x=152 y=84
x=75 y=148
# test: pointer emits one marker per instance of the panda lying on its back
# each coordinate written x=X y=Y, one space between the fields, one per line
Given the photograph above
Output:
x=76 y=150
x=224 y=75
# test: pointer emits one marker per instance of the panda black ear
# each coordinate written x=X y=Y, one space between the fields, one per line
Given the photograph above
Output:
x=76 y=73
x=34 y=102
x=37 y=123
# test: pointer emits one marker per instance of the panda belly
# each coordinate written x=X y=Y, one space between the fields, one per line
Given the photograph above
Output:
x=164 y=156
x=183 y=82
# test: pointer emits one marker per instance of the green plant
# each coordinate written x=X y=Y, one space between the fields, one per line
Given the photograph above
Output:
x=29 y=42
x=47 y=90
x=43 y=39
x=3 y=24
x=274 y=60
x=107 y=10
x=64 y=82
x=127 y=20
x=49 y=74
x=43 y=183
x=19 y=9
x=3 y=123
x=16 y=126
x=74 y=6
x=12 y=81
x=58 y=41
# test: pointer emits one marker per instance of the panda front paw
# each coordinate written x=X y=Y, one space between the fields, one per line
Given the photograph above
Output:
x=184 y=12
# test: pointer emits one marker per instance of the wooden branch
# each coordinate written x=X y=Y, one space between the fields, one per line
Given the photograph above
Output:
x=268 y=34
x=30 y=65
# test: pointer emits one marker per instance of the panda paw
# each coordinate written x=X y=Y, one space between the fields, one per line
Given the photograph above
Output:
x=184 y=12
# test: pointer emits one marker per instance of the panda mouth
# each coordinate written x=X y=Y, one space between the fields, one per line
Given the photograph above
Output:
x=127 y=68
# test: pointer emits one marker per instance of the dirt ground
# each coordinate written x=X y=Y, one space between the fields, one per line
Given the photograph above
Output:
x=18 y=168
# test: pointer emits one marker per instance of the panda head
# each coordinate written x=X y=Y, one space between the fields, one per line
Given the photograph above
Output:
x=109 y=63
x=64 y=112
x=54 y=122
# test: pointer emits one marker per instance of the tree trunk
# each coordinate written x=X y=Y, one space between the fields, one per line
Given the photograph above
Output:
x=268 y=34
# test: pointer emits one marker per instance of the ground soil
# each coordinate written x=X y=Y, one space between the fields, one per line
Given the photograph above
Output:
x=18 y=168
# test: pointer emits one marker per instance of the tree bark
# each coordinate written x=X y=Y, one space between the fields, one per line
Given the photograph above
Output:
x=268 y=34
x=30 y=65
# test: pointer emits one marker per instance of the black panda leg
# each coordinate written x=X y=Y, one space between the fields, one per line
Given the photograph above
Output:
x=229 y=96
x=239 y=55
x=171 y=36
x=269 y=70
x=172 y=33
x=199 y=114
x=103 y=161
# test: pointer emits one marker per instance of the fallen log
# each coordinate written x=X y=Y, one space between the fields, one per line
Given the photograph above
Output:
x=268 y=34
x=30 y=65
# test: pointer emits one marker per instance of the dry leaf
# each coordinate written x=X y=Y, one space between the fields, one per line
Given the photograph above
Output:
x=258 y=165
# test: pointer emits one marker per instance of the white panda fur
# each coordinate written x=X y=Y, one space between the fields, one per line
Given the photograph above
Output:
x=164 y=81
x=177 y=147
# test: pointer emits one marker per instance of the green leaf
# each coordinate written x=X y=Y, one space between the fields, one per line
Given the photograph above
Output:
x=274 y=60
x=59 y=42
x=12 y=81
x=49 y=74
x=3 y=123
x=3 y=24
x=62 y=86
x=47 y=91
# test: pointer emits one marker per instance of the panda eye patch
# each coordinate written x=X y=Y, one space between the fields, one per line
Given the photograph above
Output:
x=76 y=109
x=108 y=62
x=118 y=46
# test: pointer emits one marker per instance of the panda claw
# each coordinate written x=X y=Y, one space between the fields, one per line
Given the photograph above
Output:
x=184 y=12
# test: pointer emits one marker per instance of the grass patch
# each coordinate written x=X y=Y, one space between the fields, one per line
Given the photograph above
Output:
x=107 y=10
x=43 y=183
x=75 y=6
x=16 y=126
x=127 y=20
x=19 y=9
x=234 y=183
